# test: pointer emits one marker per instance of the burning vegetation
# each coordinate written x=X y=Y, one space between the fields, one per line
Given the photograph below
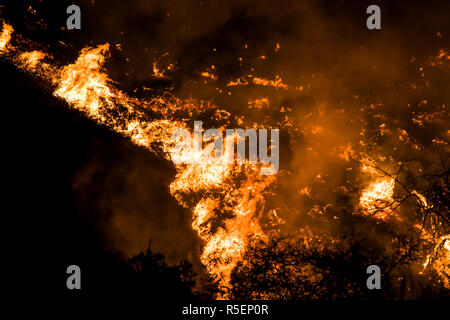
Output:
x=359 y=184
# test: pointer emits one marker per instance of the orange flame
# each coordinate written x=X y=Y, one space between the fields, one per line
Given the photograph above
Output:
x=376 y=197
x=226 y=209
x=439 y=259
x=5 y=36
x=85 y=87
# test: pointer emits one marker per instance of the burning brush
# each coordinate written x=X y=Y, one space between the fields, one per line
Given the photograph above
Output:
x=235 y=208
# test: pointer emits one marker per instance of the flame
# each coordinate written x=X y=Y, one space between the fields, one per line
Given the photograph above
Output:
x=86 y=87
x=226 y=200
x=32 y=59
x=258 y=103
x=421 y=199
x=377 y=197
x=439 y=259
x=226 y=247
x=277 y=83
x=209 y=75
x=5 y=37
x=442 y=57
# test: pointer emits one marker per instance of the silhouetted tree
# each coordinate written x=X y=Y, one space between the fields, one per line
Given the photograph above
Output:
x=295 y=270
x=154 y=278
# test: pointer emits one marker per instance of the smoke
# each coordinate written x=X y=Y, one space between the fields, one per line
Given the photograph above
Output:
x=125 y=191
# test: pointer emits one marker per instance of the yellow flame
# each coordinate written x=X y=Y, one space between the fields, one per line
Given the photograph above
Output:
x=225 y=213
x=376 y=197
x=277 y=83
x=86 y=87
x=439 y=259
x=5 y=37
x=31 y=59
